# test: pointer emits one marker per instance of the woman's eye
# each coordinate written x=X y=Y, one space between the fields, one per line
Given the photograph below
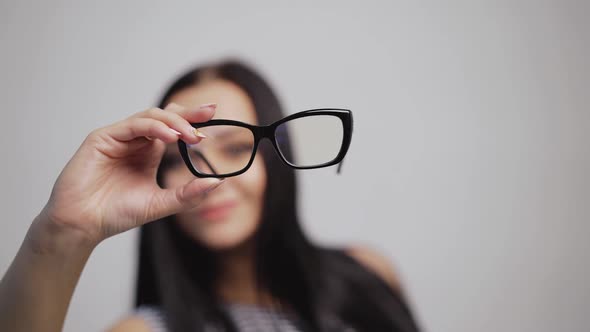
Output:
x=238 y=149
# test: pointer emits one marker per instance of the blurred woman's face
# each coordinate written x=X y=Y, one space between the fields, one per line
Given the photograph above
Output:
x=229 y=215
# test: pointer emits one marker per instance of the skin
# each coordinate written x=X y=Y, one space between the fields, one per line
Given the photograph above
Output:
x=118 y=164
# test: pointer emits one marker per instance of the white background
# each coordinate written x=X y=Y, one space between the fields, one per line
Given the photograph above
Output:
x=470 y=156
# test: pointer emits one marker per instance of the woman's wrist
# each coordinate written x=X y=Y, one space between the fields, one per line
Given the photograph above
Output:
x=47 y=237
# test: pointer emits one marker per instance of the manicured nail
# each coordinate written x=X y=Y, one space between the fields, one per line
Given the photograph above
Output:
x=174 y=131
x=197 y=133
x=173 y=106
x=210 y=105
x=213 y=186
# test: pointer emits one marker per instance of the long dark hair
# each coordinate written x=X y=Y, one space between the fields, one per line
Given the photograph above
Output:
x=325 y=287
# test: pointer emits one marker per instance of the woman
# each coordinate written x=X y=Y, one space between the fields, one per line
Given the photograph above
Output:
x=214 y=255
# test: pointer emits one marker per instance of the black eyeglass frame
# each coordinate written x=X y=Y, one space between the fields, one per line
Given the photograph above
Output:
x=269 y=132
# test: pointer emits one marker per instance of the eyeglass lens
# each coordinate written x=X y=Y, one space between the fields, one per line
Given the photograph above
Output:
x=226 y=149
x=315 y=139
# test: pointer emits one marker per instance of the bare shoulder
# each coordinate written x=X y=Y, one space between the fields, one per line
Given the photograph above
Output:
x=131 y=323
x=376 y=263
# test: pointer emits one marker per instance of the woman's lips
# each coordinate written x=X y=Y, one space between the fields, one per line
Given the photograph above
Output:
x=216 y=211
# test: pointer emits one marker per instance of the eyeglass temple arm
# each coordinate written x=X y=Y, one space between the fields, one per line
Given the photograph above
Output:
x=339 y=166
x=200 y=155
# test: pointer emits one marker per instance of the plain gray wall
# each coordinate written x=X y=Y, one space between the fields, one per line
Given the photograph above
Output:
x=469 y=162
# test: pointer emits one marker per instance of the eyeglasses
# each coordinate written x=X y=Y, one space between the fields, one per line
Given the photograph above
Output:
x=230 y=146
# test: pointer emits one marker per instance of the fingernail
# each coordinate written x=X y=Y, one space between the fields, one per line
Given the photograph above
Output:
x=197 y=133
x=173 y=106
x=210 y=105
x=213 y=186
x=174 y=131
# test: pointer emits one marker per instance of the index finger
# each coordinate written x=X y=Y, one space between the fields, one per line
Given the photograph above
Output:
x=202 y=113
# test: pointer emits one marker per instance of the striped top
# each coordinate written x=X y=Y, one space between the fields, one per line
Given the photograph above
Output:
x=247 y=318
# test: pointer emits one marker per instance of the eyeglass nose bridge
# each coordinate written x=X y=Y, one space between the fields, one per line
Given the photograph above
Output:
x=267 y=132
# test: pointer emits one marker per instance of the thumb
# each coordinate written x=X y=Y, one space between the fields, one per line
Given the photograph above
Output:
x=174 y=200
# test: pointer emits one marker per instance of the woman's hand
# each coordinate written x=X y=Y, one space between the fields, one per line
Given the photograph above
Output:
x=109 y=186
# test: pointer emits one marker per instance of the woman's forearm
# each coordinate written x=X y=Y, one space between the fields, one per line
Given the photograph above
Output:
x=37 y=288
